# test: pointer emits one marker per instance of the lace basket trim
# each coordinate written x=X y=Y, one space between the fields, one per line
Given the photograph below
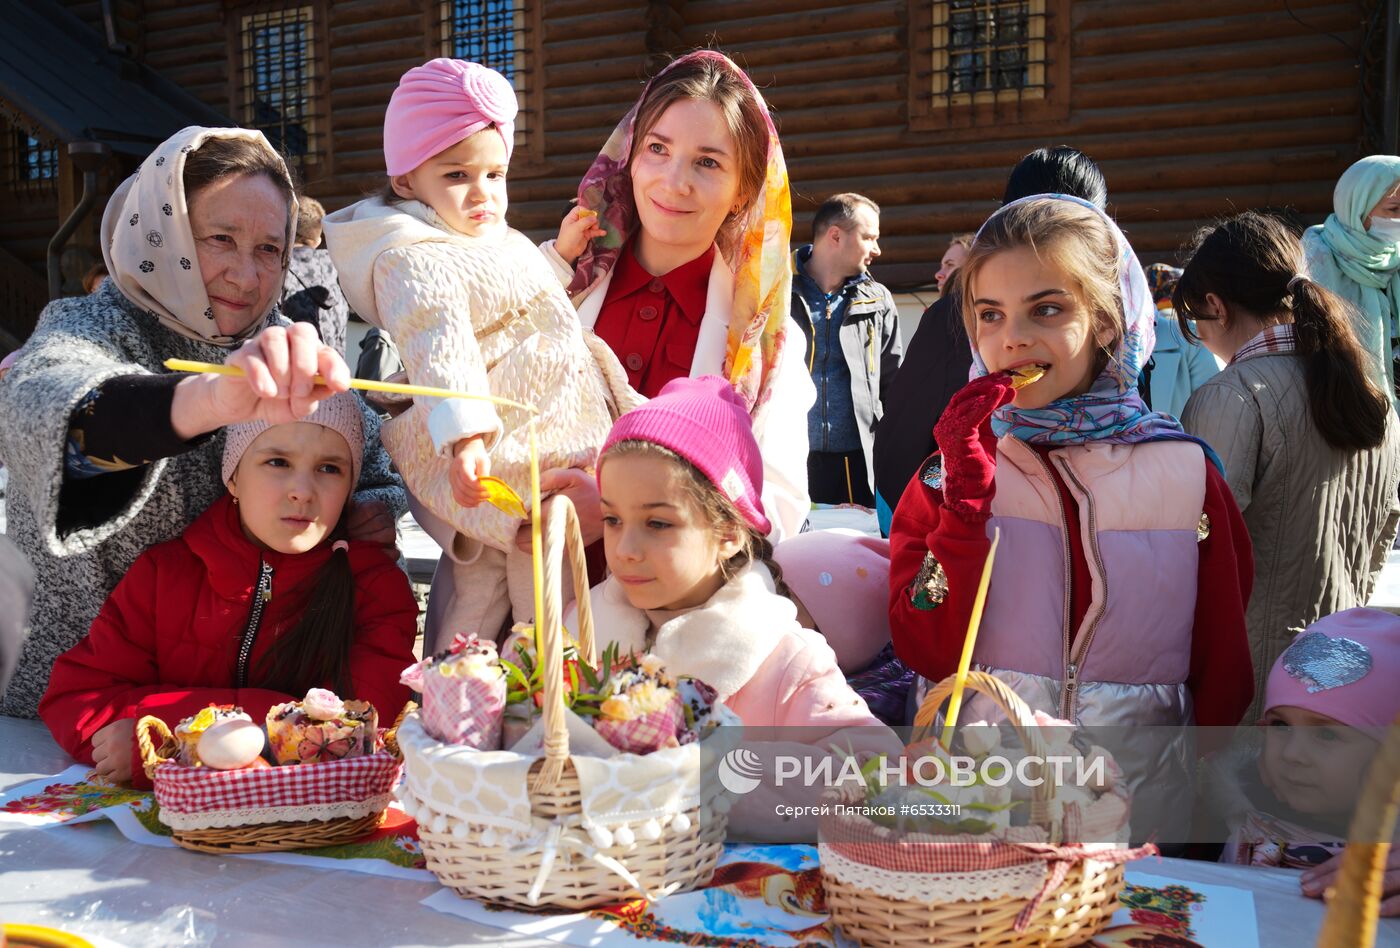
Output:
x=275 y=814
x=1020 y=881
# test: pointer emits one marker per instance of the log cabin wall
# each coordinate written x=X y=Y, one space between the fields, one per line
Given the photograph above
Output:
x=1191 y=111
x=591 y=54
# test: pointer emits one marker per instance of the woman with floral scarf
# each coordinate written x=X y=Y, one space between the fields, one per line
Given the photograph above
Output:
x=677 y=257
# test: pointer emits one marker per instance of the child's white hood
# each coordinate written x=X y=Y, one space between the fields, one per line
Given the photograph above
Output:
x=358 y=234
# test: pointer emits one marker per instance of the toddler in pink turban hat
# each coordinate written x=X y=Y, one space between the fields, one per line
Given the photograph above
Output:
x=441 y=103
x=474 y=307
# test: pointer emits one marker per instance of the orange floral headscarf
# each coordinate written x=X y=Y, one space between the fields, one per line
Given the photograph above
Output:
x=761 y=263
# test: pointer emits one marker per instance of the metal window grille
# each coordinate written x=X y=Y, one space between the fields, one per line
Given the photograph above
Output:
x=988 y=50
x=30 y=163
x=278 y=79
x=493 y=33
x=39 y=161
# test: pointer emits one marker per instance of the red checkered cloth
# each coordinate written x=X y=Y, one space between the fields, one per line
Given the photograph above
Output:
x=1275 y=339
x=860 y=840
x=181 y=789
x=645 y=734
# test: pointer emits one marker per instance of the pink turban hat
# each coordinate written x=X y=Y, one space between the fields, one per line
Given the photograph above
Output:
x=441 y=103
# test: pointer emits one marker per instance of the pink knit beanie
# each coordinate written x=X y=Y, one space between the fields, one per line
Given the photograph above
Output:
x=704 y=421
x=843 y=578
x=441 y=103
x=340 y=413
x=1344 y=666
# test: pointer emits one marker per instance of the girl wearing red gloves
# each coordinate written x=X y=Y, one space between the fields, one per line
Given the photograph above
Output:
x=258 y=600
x=1119 y=589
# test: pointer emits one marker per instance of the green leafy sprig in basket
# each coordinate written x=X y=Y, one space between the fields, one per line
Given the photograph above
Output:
x=585 y=687
x=908 y=806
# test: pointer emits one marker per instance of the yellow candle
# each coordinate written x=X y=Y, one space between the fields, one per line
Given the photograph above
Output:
x=536 y=544
x=964 y=663
x=367 y=385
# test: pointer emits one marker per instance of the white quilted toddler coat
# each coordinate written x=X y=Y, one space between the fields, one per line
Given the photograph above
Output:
x=484 y=315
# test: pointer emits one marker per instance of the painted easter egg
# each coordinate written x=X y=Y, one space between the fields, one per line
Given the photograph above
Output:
x=230 y=745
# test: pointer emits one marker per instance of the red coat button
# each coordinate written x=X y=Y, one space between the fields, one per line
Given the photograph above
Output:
x=647 y=313
x=634 y=362
x=656 y=286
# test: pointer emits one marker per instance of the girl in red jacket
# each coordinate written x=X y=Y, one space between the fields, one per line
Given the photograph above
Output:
x=258 y=600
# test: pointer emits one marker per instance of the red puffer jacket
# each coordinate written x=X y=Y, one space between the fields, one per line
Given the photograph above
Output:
x=168 y=640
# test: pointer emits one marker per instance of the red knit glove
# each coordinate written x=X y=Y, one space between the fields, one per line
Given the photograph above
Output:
x=964 y=436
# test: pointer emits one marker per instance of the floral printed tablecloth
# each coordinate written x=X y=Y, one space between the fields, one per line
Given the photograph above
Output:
x=761 y=895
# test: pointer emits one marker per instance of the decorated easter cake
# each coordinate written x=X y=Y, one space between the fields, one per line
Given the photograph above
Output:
x=321 y=727
x=189 y=731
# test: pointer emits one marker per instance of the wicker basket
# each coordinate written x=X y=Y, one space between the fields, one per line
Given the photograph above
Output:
x=1070 y=913
x=468 y=859
x=1356 y=900
x=264 y=837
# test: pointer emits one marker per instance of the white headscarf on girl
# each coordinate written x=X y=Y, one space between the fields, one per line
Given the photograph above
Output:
x=148 y=246
x=1112 y=410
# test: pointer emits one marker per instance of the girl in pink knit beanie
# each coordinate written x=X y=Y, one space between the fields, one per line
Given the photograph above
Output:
x=694 y=583
x=473 y=307
x=692 y=573
x=1329 y=699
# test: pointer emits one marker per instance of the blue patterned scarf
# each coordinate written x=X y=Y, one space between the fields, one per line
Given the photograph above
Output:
x=1112 y=410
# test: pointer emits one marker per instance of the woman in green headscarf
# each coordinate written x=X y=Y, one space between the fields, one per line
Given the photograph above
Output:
x=1356 y=254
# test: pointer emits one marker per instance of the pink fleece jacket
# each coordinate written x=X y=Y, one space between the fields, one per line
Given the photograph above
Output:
x=746 y=644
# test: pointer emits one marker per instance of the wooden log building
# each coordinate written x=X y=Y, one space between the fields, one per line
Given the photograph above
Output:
x=1192 y=110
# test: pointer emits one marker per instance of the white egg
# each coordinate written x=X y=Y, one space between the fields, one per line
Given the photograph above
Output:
x=230 y=745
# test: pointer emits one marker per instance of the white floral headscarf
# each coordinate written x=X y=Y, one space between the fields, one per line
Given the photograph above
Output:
x=148 y=246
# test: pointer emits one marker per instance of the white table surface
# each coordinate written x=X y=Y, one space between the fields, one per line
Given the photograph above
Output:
x=91 y=880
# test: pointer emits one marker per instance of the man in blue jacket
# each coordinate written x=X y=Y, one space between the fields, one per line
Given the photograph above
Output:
x=853 y=346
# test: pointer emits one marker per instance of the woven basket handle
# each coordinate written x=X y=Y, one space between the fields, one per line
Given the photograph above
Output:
x=1017 y=712
x=1351 y=916
x=391 y=736
x=150 y=754
x=561 y=536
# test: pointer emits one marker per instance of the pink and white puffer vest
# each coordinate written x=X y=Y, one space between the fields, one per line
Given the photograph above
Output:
x=1123 y=670
x=1139 y=508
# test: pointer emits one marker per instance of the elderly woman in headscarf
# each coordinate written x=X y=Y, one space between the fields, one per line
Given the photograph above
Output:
x=1355 y=253
x=110 y=453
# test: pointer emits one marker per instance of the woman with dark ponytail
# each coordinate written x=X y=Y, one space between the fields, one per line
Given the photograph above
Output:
x=260 y=599
x=1308 y=438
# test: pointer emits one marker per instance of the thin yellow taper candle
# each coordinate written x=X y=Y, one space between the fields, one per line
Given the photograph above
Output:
x=965 y=663
x=536 y=543
x=366 y=385
x=500 y=495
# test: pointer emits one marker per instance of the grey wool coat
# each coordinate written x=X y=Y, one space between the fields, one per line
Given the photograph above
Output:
x=1321 y=520
x=80 y=551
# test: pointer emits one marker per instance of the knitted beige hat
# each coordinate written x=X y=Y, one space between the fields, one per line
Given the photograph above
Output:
x=340 y=413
